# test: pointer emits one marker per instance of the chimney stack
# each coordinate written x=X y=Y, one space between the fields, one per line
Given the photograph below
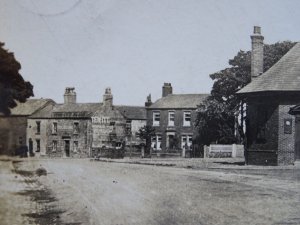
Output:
x=167 y=89
x=70 y=95
x=148 y=102
x=108 y=98
x=257 y=53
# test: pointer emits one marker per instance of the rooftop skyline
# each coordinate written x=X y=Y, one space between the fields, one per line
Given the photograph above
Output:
x=135 y=46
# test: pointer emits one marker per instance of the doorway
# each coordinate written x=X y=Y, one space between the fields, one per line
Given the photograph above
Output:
x=67 y=148
x=30 y=147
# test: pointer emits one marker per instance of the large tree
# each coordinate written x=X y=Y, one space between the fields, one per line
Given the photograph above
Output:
x=216 y=118
x=12 y=85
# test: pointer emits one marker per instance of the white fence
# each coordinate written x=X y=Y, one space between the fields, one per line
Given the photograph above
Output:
x=234 y=151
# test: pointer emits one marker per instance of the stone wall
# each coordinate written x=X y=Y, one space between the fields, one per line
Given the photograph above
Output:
x=67 y=134
x=106 y=122
x=12 y=134
x=34 y=135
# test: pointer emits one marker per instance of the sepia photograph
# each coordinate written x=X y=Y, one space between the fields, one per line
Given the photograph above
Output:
x=149 y=112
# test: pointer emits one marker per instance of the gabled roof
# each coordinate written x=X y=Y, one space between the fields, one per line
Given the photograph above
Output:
x=29 y=107
x=283 y=76
x=179 y=101
x=133 y=112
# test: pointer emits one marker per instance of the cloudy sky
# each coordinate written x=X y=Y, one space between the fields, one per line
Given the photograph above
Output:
x=134 y=46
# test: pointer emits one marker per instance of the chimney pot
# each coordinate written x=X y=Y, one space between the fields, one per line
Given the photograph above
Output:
x=148 y=102
x=257 y=30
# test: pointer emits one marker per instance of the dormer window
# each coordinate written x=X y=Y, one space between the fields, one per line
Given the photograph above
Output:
x=156 y=118
x=187 y=118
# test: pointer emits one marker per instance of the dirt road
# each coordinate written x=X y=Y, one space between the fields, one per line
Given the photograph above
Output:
x=85 y=192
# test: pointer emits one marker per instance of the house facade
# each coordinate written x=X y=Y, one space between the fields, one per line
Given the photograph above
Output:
x=173 y=117
x=108 y=124
x=78 y=130
x=13 y=128
x=270 y=129
x=63 y=130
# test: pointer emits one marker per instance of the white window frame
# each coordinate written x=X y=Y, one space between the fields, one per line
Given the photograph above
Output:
x=187 y=123
x=38 y=145
x=171 y=123
x=76 y=128
x=54 y=128
x=156 y=142
x=186 y=138
x=54 y=145
x=156 y=115
x=75 y=146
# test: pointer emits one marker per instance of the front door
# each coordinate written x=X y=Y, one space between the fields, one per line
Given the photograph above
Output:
x=67 y=148
x=170 y=141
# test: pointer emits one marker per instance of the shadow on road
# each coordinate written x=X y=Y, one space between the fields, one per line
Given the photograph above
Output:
x=45 y=209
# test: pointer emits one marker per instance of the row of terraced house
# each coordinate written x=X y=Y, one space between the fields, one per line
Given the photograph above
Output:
x=81 y=130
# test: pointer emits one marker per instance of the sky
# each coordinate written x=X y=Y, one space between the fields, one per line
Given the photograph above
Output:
x=134 y=46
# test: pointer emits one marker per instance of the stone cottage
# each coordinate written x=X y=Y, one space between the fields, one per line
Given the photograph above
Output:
x=13 y=127
x=173 y=118
x=65 y=129
x=270 y=129
x=108 y=124
x=77 y=130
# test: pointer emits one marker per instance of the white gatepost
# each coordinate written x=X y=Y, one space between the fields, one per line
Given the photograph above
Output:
x=233 y=155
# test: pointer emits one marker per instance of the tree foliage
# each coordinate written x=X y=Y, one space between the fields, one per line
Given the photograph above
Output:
x=12 y=85
x=216 y=117
x=145 y=133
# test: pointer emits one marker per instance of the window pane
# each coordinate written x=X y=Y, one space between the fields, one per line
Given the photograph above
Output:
x=187 y=118
x=156 y=118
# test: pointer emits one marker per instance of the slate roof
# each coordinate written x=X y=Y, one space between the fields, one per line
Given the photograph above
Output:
x=179 y=101
x=88 y=109
x=77 y=107
x=283 y=76
x=133 y=112
x=29 y=107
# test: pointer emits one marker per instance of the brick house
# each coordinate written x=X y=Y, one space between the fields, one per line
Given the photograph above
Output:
x=13 y=127
x=173 y=118
x=270 y=129
x=76 y=129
